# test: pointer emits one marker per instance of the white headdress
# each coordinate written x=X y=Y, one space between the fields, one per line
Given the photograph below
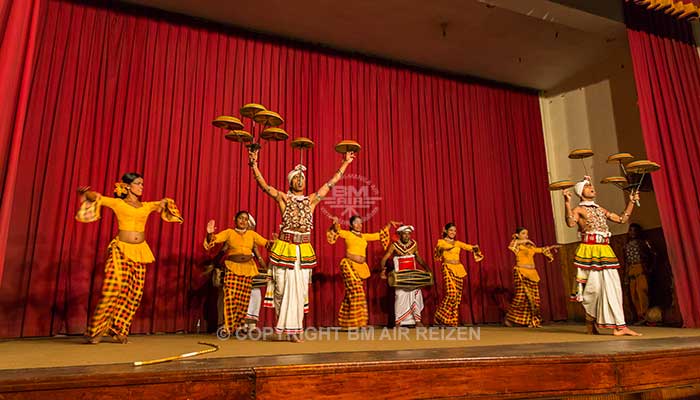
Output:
x=408 y=228
x=299 y=169
x=578 y=188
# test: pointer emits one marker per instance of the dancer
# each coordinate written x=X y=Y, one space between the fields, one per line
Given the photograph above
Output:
x=292 y=255
x=598 y=282
x=525 y=307
x=240 y=267
x=639 y=256
x=128 y=253
x=408 y=304
x=353 y=310
x=447 y=252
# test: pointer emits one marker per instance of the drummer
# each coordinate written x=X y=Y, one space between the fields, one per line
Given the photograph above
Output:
x=240 y=267
x=408 y=303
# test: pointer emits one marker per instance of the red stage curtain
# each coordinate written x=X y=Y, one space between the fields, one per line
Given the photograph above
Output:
x=131 y=90
x=19 y=26
x=667 y=72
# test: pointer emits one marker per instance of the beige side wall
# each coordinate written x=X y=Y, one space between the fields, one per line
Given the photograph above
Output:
x=595 y=109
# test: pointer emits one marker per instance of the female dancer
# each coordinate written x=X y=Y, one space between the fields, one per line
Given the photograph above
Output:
x=240 y=267
x=128 y=253
x=447 y=252
x=525 y=307
x=353 y=310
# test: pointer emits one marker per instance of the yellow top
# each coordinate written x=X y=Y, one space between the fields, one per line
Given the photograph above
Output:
x=357 y=245
x=525 y=255
x=239 y=244
x=450 y=253
x=130 y=219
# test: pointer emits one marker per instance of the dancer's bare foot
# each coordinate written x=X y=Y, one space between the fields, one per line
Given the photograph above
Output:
x=296 y=339
x=507 y=323
x=591 y=329
x=120 y=338
x=93 y=339
x=625 y=332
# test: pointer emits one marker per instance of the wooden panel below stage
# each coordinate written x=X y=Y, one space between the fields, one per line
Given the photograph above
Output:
x=624 y=369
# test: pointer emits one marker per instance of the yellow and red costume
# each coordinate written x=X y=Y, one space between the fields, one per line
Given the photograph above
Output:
x=525 y=307
x=125 y=269
x=238 y=278
x=453 y=274
x=353 y=310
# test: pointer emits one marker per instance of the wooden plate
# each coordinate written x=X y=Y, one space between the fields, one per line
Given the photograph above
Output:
x=620 y=158
x=643 y=166
x=614 y=179
x=227 y=122
x=580 y=153
x=268 y=118
x=302 y=143
x=249 y=110
x=345 y=146
x=239 y=136
x=274 y=133
x=561 y=185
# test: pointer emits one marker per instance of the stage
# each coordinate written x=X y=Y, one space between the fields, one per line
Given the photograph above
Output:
x=484 y=361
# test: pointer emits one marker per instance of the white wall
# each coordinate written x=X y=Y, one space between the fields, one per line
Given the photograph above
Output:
x=596 y=109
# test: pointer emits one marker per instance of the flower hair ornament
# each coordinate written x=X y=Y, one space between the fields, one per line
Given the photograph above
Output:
x=120 y=189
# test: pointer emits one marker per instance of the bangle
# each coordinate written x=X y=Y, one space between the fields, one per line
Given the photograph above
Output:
x=329 y=184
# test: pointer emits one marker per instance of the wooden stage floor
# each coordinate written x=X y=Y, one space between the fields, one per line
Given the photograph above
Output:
x=557 y=361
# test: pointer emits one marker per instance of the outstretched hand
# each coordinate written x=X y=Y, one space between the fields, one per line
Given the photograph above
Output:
x=349 y=157
x=567 y=195
x=634 y=196
x=211 y=226
x=253 y=156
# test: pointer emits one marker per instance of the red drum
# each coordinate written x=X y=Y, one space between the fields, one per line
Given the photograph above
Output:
x=404 y=263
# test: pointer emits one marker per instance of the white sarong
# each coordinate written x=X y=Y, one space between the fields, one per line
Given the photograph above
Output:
x=291 y=297
x=408 y=306
x=254 y=304
x=602 y=297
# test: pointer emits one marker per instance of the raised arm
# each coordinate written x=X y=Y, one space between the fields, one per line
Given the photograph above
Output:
x=570 y=217
x=87 y=193
x=622 y=219
x=262 y=184
x=323 y=191
x=212 y=239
